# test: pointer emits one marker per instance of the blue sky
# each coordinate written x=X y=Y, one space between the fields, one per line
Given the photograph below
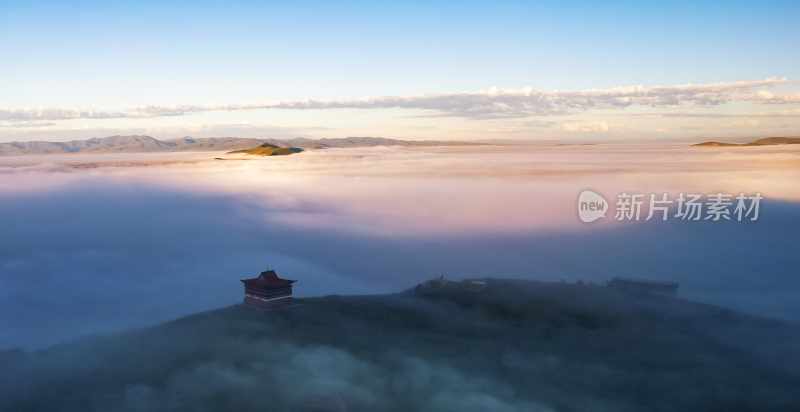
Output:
x=112 y=57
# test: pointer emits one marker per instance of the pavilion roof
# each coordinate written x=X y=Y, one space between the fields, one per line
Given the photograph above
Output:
x=268 y=279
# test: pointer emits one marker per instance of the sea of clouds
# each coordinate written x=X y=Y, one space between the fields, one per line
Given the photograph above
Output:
x=97 y=243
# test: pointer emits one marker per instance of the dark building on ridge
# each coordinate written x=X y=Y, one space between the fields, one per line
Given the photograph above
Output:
x=267 y=291
x=644 y=286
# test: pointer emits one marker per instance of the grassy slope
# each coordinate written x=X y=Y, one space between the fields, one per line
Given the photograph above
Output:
x=267 y=149
x=517 y=346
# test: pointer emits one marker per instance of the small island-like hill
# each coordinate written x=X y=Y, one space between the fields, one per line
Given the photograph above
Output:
x=767 y=141
x=267 y=149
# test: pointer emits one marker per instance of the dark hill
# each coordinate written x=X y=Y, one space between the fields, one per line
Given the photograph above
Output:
x=268 y=149
x=767 y=141
x=511 y=346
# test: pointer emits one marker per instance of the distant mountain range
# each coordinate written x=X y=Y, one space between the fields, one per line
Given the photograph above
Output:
x=767 y=141
x=136 y=144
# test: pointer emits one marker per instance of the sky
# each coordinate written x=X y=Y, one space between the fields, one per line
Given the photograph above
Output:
x=440 y=70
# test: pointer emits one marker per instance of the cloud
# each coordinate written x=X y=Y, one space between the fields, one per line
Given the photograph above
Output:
x=585 y=127
x=27 y=125
x=494 y=103
x=712 y=115
x=127 y=246
x=28 y=115
x=486 y=104
x=543 y=124
x=44 y=131
x=764 y=96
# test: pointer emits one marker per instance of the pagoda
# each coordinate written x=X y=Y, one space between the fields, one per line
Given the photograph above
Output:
x=267 y=290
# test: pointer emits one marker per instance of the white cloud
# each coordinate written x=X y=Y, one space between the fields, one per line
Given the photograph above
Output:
x=585 y=127
x=25 y=124
x=28 y=115
x=765 y=96
x=490 y=103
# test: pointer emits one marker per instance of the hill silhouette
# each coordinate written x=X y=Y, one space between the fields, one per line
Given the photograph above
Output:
x=267 y=149
x=511 y=346
x=139 y=144
x=767 y=141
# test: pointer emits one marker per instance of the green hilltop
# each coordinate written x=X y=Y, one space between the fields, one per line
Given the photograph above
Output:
x=267 y=149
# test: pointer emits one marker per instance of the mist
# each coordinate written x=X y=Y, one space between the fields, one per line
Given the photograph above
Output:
x=95 y=244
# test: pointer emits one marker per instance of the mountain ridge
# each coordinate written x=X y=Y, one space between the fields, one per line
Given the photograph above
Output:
x=512 y=345
x=765 y=141
x=149 y=144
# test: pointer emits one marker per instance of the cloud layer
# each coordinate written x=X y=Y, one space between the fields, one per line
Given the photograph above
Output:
x=491 y=103
x=126 y=242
